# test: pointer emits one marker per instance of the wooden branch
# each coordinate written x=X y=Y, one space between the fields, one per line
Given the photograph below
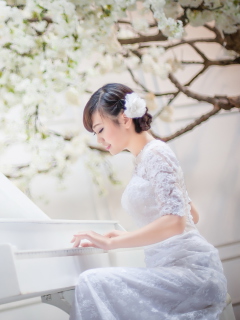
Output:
x=151 y=25
x=136 y=81
x=192 y=62
x=158 y=37
x=49 y=20
x=218 y=34
x=221 y=63
x=196 y=76
x=182 y=42
x=202 y=55
x=97 y=148
x=224 y=62
x=145 y=88
x=206 y=61
x=222 y=102
x=190 y=94
x=136 y=53
x=235 y=101
x=189 y=127
x=176 y=93
x=124 y=22
x=26 y=166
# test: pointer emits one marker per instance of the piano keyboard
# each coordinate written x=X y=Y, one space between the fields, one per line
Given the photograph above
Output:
x=31 y=254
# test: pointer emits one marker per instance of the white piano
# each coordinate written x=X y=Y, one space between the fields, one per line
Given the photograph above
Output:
x=37 y=258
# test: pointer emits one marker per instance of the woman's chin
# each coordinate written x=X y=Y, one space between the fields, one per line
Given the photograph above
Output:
x=114 y=152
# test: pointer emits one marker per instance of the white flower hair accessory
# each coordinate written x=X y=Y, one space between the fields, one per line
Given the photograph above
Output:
x=135 y=106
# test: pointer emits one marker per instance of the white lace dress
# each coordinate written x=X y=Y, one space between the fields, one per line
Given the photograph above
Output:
x=183 y=278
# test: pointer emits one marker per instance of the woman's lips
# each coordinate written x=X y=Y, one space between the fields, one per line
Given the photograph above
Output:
x=108 y=147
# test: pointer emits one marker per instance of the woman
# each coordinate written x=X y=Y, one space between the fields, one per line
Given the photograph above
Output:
x=183 y=278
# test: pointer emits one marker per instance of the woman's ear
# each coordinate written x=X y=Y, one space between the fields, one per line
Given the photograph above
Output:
x=125 y=120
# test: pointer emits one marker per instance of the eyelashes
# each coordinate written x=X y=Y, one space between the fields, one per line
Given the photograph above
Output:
x=98 y=132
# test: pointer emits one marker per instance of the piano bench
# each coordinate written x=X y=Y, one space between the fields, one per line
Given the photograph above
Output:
x=63 y=300
x=228 y=313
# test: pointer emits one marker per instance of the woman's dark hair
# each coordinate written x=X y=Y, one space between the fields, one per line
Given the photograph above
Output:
x=109 y=100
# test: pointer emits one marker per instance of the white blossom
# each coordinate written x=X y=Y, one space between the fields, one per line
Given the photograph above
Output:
x=167 y=114
x=43 y=64
x=140 y=25
x=105 y=64
x=135 y=106
x=198 y=18
x=72 y=96
x=150 y=100
x=125 y=33
x=163 y=70
x=175 y=64
x=190 y=3
x=155 y=52
x=133 y=62
x=173 y=9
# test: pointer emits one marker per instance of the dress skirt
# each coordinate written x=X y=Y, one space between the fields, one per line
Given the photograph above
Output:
x=183 y=280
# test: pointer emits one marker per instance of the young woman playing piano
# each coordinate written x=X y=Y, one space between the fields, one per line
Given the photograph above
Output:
x=183 y=278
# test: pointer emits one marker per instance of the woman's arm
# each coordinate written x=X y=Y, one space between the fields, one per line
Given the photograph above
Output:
x=194 y=213
x=156 y=231
x=159 y=230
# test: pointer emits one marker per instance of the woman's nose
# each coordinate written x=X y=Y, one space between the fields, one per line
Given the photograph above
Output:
x=100 y=140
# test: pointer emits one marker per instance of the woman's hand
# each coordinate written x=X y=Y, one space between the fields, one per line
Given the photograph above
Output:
x=94 y=240
x=158 y=230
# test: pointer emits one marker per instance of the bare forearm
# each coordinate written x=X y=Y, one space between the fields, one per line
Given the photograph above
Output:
x=159 y=230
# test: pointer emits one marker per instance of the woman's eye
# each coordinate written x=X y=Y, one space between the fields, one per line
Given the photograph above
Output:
x=98 y=132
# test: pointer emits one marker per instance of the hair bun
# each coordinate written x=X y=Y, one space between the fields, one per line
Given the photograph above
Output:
x=143 y=123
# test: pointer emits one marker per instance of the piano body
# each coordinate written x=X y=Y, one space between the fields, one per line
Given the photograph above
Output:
x=37 y=258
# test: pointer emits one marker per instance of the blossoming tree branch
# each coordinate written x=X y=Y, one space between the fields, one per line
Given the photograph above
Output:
x=50 y=49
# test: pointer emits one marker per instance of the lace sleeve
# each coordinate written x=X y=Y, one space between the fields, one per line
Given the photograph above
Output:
x=162 y=169
x=189 y=199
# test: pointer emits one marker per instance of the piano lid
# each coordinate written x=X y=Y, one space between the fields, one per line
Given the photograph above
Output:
x=14 y=204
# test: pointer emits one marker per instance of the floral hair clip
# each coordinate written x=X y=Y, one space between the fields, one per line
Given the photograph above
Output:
x=135 y=107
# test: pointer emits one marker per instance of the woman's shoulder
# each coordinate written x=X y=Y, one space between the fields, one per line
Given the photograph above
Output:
x=159 y=150
x=157 y=155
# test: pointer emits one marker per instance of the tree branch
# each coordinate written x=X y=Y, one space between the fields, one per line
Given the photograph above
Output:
x=189 y=127
x=202 y=55
x=49 y=20
x=218 y=34
x=151 y=25
x=182 y=42
x=157 y=37
x=196 y=76
x=145 y=88
x=189 y=93
x=222 y=102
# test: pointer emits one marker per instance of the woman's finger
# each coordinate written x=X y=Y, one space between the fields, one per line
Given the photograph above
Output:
x=73 y=239
x=76 y=243
x=88 y=244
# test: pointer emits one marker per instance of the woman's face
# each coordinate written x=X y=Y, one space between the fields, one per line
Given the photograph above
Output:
x=114 y=137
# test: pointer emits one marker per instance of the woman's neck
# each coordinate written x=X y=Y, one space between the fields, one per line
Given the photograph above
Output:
x=138 y=142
